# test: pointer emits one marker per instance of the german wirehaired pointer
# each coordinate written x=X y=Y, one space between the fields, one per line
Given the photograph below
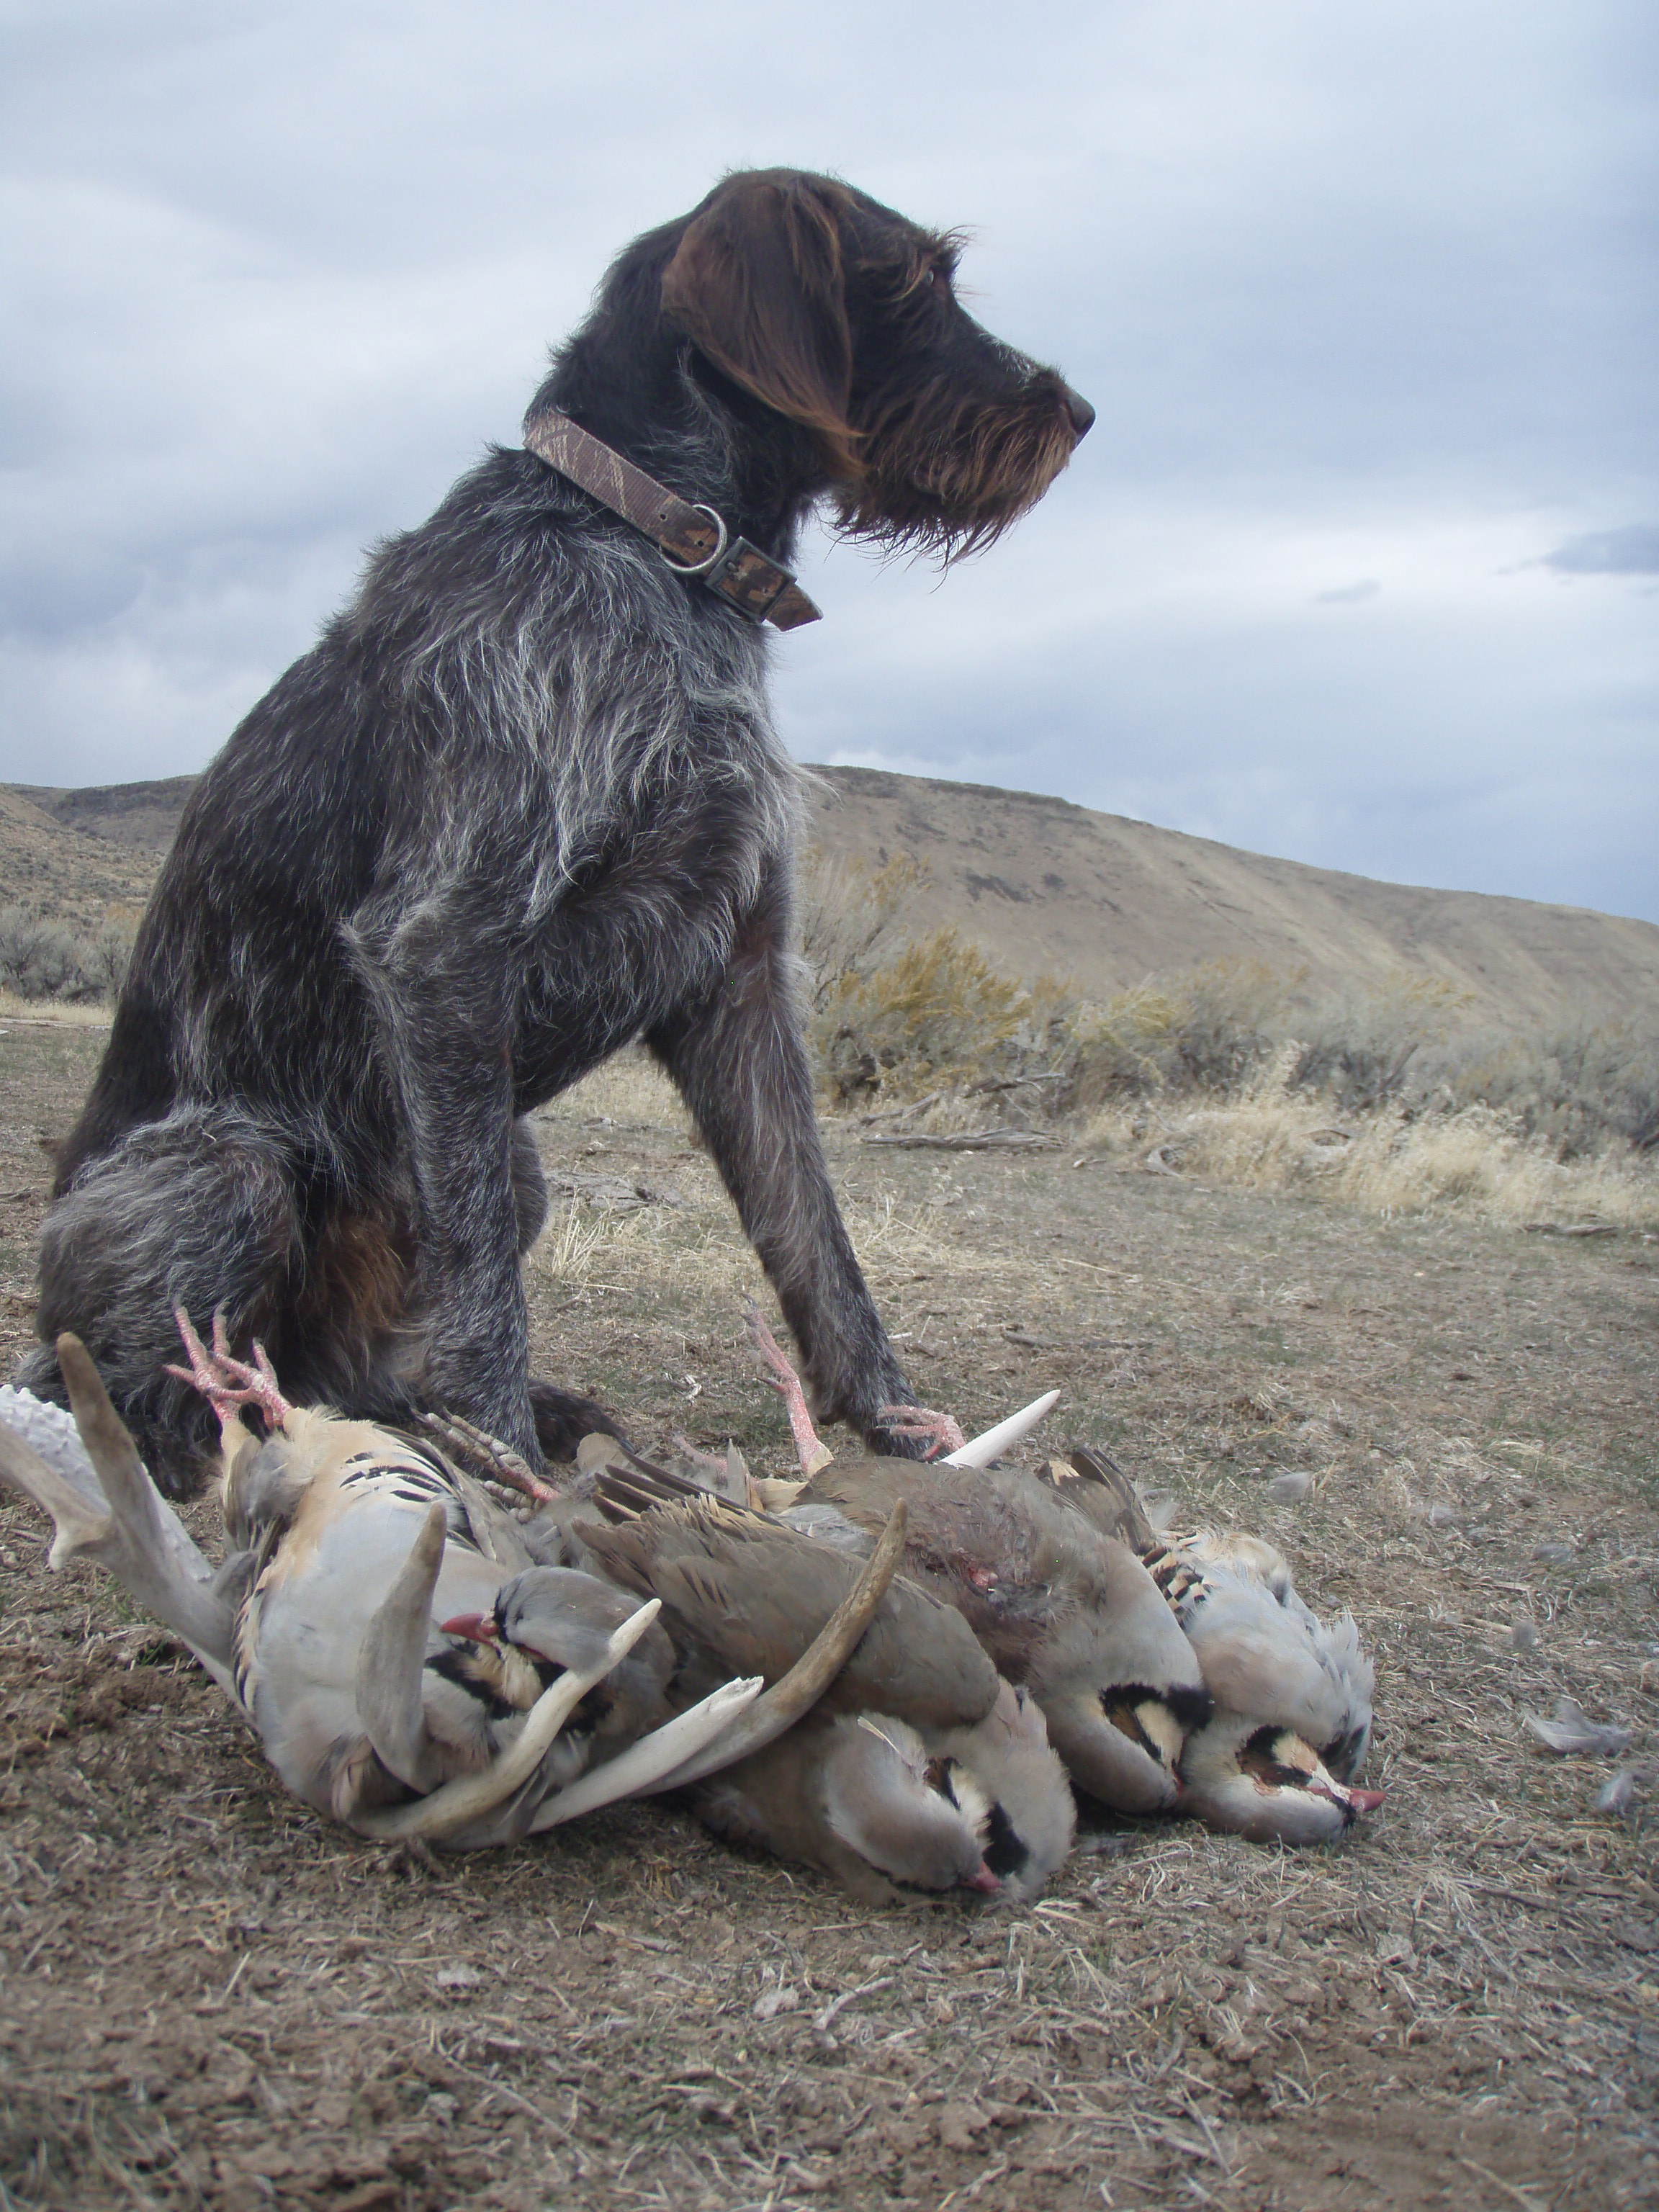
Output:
x=523 y=803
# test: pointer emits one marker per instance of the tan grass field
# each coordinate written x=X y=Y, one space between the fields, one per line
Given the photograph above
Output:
x=208 y=1998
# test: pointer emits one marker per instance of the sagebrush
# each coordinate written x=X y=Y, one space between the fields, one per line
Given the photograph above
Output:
x=44 y=958
x=1242 y=1073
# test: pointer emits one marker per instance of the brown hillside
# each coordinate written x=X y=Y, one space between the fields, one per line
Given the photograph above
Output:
x=68 y=875
x=141 y=815
x=1042 y=884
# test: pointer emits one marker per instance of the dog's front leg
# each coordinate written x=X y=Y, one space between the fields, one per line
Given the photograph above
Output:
x=444 y=1031
x=738 y=1056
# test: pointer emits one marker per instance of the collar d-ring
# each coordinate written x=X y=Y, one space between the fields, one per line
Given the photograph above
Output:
x=701 y=568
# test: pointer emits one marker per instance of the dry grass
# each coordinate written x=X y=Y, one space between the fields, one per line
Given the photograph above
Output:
x=209 y=1998
x=57 y=1013
x=1475 y=1162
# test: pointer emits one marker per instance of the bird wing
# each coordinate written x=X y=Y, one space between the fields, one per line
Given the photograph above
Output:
x=755 y=1595
x=1095 y=1486
x=1259 y=1657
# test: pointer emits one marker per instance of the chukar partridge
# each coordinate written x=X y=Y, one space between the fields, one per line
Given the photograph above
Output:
x=919 y=1770
x=348 y=1541
x=1292 y=1694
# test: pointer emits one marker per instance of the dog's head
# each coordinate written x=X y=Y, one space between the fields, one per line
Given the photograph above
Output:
x=843 y=318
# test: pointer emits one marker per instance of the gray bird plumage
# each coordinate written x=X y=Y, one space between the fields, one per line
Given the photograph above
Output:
x=742 y=1591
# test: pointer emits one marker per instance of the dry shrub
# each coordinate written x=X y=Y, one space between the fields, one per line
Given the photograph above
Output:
x=1364 y=1048
x=892 y=1010
x=1206 y=1030
x=41 y=958
x=936 y=1014
x=1578 y=1090
x=1474 y=1159
x=848 y=915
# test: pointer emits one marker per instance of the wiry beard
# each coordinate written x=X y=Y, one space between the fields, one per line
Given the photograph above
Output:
x=948 y=475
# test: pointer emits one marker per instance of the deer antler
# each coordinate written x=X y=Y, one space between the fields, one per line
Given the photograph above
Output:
x=108 y=1509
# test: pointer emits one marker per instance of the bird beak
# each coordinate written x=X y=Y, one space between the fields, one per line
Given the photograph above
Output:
x=985 y=1882
x=479 y=1627
x=1355 y=1802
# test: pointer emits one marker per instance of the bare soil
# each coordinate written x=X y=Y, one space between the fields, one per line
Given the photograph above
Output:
x=207 y=1997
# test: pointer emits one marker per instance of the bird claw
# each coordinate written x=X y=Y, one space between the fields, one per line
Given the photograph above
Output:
x=499 y=1461
x=228 y=1384
x=917 y=1423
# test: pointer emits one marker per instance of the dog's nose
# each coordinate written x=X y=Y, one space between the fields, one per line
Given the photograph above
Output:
x=1078 y=409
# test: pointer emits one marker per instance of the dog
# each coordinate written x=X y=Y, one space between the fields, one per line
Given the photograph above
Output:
x=522 y=804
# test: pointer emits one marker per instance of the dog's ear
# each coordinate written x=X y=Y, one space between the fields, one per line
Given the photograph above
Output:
x=757 y=285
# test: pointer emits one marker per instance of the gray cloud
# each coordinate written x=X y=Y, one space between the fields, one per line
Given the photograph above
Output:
x=1632 y=551
x=1358 y=293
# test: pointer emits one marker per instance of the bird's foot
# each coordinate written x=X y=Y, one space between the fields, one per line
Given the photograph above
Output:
x=499 y=1461
x=919 y=1424
x=227 y=1383
x=813 y=1455
x=712 y=1462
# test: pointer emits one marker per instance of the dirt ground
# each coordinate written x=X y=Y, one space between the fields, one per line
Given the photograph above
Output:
x=207 y=1997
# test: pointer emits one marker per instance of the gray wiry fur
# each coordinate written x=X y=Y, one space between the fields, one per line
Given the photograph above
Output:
x=523 y=803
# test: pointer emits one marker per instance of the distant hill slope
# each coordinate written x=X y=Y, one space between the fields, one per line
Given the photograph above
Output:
x=69 y=875
x=1042 y=884
x=142 y=815
x=1106 y=900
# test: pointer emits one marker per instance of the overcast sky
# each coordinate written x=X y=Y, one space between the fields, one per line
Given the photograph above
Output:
x=1361 y=564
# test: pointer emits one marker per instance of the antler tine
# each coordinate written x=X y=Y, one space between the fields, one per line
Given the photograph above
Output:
x=79 y=1511
x=391 y=1660
x=981 y=1451
x=799 y=1690
x=642 y=1768
x=459 y=1803
x=118 y=1517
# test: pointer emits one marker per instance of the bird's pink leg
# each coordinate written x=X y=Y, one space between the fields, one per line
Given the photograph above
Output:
x=714 y=1462
x=914 y=1422
x=229 y=1384
x=811 y=1454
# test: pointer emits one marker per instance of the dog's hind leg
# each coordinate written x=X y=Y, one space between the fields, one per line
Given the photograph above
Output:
x=196 y=1210
x=739 y=1058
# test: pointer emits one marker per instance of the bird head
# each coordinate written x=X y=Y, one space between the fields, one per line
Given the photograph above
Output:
x=1123 y=1744
x=1264 y=1782
x=917 y=1819
x=547 y=1620
x=1029 y=1819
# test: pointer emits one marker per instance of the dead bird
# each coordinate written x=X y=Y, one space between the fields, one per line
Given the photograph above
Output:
x=1263 y=1652
x=1063 y=1610
x=320 y=1627
x=1264 y=1783
x=920 y=1769
x=890 y=1811
x=1069 y=1614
